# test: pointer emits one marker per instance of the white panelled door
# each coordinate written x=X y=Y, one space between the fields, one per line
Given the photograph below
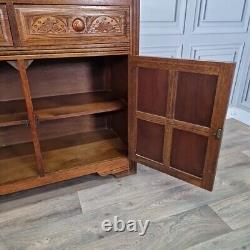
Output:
x=216 y=30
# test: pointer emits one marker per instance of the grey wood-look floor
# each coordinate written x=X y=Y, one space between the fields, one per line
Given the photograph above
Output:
x=68 y=215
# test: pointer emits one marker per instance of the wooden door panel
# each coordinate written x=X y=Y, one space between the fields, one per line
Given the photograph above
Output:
x=188 y=152
x=152 y=83
x=176 y=108
x=195 y=98
x=150 y=140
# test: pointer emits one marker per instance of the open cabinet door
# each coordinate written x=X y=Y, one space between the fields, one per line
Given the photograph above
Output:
x=177 y=110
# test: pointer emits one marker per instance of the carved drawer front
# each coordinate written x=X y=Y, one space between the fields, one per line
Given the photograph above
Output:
x=5 y=35
x=60 y=25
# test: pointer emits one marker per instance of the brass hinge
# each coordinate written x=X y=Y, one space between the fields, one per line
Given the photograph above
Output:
x=219 y=134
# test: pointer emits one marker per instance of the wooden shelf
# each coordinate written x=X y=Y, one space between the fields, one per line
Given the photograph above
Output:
x=17 y=162
x=82 y=150
x=59 y=107
x=78 y=110
x=13 y=113
x=7 y=120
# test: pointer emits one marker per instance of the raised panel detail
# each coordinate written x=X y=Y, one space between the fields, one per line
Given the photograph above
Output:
x=162 y=51
x=163 y=17
x=73 y=25
x=164 y=11
x=248 y=93
x=195 y=98
x=5 y=36
x=150 y=140
x=220 y=53
x=182 y=143
x=152 y=83
x=213 y=10
x=245 y=99
x=221 y=16
x=188 y=152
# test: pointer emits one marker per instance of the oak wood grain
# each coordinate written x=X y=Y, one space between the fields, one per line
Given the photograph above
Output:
x=194 y=104
x=5 y=35
x=48 y=24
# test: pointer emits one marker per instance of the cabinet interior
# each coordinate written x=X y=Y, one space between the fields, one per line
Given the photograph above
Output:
x=80 y=105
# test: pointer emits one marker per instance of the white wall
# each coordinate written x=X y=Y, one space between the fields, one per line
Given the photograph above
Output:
x=215 y=30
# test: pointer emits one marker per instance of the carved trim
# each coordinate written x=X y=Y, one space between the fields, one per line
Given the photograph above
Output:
x=5 y=36
x=48 y=25
x=54 y=26
x=1 y=32
x=2 y=38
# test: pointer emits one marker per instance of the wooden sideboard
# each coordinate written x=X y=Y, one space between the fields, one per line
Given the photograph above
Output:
x=76 y=98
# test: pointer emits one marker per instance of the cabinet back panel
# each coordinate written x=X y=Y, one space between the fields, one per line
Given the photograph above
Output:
x=52 y=129
x=76 y=125
x=119 y=123
x=119 y=76
x=14 y=135
x=17 y=150
x=66 y=76
x=12 y=106
x=10 y=84
x=119 y=87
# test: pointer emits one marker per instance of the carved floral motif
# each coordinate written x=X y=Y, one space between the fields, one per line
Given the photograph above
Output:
x=48 y=25
x=105 y=24
x=59 y=25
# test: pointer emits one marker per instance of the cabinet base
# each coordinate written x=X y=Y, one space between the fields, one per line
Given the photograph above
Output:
x=131 y=171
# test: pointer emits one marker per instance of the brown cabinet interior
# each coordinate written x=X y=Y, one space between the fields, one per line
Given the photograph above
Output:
x=80 y=120
x=76 y=99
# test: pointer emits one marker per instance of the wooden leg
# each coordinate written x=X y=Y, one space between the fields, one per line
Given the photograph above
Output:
x=126 y=168
x=132 y=170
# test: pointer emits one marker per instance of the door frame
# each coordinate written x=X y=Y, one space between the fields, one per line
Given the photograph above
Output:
x=224 y=71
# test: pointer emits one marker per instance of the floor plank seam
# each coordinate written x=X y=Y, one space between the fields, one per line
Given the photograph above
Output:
x=221 y=218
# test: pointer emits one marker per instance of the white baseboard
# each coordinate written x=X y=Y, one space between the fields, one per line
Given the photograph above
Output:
x=239 y=114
